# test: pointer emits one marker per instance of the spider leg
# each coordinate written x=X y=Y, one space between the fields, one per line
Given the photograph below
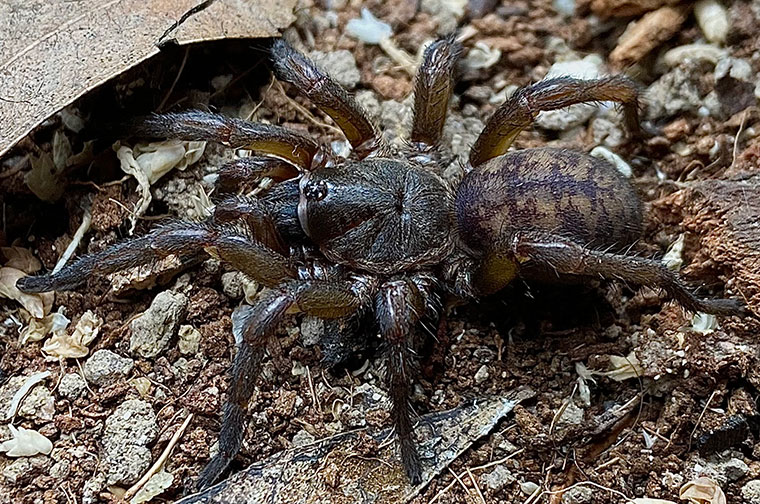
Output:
x=519 y=111
x=433 y=87
x=256 y=323
x=261 y=224
x=399 y=306
x=287 y=144
x=293 y=67
x=565 y=257
x=248 y=171
x=233 y=245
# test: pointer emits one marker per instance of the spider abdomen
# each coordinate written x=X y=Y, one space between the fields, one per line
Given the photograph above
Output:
x=559 y=191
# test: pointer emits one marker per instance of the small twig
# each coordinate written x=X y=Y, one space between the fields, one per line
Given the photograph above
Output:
x=562 y=409
x=699 y=419
x=607 y=464
x=458 y=479
x=72 y=247
x=161 y=459
x=738 y=134
x=475 y=484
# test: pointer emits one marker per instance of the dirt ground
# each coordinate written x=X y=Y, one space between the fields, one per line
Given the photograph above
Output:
x=683 y=404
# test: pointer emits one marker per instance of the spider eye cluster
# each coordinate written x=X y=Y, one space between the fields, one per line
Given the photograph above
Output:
x=315 y=191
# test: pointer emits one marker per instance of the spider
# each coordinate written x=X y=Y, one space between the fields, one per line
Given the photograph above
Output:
x=383 y=233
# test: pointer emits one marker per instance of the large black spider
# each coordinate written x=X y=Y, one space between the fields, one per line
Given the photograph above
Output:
x=383 y=232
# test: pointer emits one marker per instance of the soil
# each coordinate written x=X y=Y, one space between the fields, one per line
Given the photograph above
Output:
x=688 y=410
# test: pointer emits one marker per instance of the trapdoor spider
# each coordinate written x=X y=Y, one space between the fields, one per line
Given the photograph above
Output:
x=383 y=232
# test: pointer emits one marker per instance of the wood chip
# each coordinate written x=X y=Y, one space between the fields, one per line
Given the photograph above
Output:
x=648 y=33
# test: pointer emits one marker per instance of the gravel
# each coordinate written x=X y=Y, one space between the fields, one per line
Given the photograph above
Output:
x=105 y=367
x=72 y=386
x=128 y=431
x=751 y=492
x=152 y=330
x=498 y=478
x=189 y=340
x=340 y=65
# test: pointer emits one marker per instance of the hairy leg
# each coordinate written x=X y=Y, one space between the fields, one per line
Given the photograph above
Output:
x=253 y=325
x=248 y=171
x=519 y=111
x=296 y=147
x=260 y=221
x=433 y=88
x=241 y=250
x=399 y=306
x=566 y=257
x=293 y=67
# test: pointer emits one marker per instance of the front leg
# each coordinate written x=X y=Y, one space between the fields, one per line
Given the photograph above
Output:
x=241 y=250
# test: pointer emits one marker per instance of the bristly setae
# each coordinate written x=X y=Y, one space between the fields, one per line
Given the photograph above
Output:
x=383 y=233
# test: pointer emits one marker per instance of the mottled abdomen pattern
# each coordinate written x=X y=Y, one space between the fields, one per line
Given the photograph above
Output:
x=558 y=191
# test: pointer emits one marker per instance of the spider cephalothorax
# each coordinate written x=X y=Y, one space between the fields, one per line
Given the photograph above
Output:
x=384 y=233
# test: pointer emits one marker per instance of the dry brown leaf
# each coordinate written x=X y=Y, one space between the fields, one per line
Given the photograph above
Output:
x=621 y=368
x=38 y=305
x=21 y=259
x=702 y=491
x=57 y=50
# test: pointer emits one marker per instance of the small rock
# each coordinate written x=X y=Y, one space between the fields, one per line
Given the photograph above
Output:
x=734 y=469
x=528 y=487
x=60 y=470
x=72 y=386
x=340 y=65
x=25 y=468
x=607 y=132
x=189 y=340
x=105 y=367
x=482 y=374
x=92 y=488
x=232 y=284
x=396 y=120
x=302 y=438
x=751 y=492
x=676 y=92
x=38 y=404
x=573 y=415
x=446 y=13
x=128 y=431
x=312 y=330
x=574 y=115
x=498 y=478
x=578 y=495
x=152 y=330
x=734 y=85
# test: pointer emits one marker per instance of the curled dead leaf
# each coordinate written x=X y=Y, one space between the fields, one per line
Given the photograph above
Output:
x=72 y=346
x=38 y=305
x=21 y=259
x=702 y=490
x=148 y=162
